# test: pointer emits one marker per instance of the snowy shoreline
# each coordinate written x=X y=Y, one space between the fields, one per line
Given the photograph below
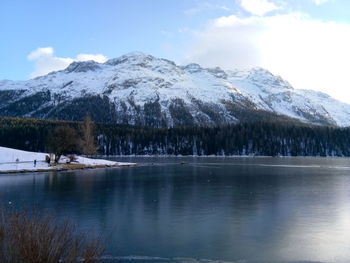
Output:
x=17 y=161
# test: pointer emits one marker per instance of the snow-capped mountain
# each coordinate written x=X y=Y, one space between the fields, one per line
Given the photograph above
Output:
x=140 y=89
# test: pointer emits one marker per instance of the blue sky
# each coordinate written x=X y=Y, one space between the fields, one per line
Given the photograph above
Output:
x=301 y=40
x=87 y=26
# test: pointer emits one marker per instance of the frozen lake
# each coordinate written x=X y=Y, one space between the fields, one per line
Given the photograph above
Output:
x=229 y=209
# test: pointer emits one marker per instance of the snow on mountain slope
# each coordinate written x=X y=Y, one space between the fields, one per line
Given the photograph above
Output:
x=140 y=89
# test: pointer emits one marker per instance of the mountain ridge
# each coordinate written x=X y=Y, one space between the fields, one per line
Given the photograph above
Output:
x=140 y=89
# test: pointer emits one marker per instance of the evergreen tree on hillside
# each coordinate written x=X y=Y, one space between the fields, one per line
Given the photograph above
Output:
x=250 y=138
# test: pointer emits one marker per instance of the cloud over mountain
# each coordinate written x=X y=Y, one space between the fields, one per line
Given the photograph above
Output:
x=45 y=61
x=310 y=53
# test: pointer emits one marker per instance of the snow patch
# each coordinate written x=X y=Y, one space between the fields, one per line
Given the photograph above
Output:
x=17 y=160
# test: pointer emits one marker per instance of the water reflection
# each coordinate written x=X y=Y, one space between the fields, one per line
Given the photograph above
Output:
x=229 y=209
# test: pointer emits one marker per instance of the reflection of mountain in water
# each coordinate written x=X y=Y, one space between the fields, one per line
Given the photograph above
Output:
x=233 y=209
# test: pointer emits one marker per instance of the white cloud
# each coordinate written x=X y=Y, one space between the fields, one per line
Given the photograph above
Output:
x=205 y=6
x=309 y=53
x=95 y=57
x=320 y=2
x=259 y=7
x=45 y=61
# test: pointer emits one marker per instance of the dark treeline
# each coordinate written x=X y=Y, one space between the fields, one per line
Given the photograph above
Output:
x=251 y=138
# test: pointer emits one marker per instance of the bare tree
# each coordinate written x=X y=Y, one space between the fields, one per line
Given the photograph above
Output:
x=27 y=237
x=88 y=143
x=63 y=140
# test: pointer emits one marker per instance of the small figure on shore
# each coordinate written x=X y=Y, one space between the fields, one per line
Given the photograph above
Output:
x=35 y=163
x=17 y=160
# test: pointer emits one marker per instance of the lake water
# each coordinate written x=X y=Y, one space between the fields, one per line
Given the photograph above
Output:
x=188 y=209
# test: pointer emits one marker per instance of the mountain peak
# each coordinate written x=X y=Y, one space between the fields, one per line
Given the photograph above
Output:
x=263 y=76
x=138 y=88
x=258 y=71
x=135 y=57
x=192 y=68
x=83 y=66
x=137 y=54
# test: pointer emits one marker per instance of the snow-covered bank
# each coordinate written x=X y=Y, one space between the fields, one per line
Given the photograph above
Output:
x=12 y=160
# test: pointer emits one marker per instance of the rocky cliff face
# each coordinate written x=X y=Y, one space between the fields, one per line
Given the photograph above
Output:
x=140 y=89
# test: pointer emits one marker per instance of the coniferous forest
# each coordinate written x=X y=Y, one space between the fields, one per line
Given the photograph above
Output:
x=266 y=138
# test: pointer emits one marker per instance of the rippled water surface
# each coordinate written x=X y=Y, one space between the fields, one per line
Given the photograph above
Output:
x=232 y=209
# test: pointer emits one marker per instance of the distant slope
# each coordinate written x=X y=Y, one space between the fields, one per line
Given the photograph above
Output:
x=139 y=89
